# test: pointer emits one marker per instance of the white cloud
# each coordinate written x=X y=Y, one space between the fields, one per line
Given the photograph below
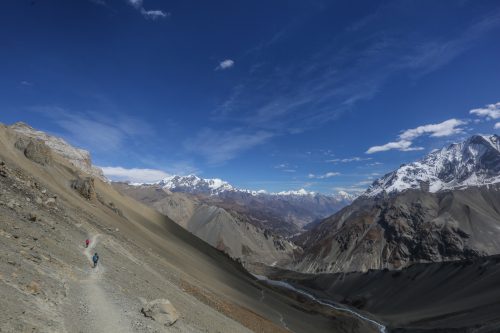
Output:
x=135 y=3
x=134 y=175
x=149 y=14
x=350 y=159
x=399 y=145
x=491 y=111
x=220 y=146
x=497 y=126
x=446 y=128
x=324 y=176
x=154 y=14
x=225 y=64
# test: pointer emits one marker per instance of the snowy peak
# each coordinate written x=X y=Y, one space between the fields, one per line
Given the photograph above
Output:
x=301 y=192
x=195 y=184
x=343 y=195
x=473 y=162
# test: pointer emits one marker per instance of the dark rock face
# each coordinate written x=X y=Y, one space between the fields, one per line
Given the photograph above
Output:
x=394 y=232
x=38 y=152
x=85 y=186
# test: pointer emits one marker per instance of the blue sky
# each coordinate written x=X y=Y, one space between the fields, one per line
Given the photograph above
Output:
x=275 y=95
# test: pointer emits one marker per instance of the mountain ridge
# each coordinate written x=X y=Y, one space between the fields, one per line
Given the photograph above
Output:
x=472 y=162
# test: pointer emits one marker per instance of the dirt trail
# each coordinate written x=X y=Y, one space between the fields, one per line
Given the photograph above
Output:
x=104 y=316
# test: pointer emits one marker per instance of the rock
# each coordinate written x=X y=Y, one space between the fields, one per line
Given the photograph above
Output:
x=162 y=311
x=34 y=288
x=85 y=186
x=21 y=144
x=12 y=203
x=39 y=200
x=32 y=217
x=3 y=169
x=38 y=152
x=50 y=202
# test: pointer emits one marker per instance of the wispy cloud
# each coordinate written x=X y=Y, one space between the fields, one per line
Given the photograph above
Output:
x=99 y=2
x=497 y=126
x=220 y=146
x=323 y=176
x=446 y=128
x=285 y=167
x=225 y=64
x=93 y=130
x=298 y=96
x=134 y=175
x=149 y=14
x=349 y=159
x=402 y=145
x=490 y=111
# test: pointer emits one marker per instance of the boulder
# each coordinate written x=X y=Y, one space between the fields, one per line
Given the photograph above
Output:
x=162 y=311
x=50 y=202
x=32 y=217
x=85 y=186
x=38 y=152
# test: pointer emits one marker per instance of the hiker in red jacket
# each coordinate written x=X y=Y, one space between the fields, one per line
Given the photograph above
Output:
x=87 y=242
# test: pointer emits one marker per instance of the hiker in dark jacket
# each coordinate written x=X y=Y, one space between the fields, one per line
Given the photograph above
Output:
x=95 y=259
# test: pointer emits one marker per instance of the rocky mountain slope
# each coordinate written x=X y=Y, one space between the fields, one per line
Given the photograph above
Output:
x=225 y=230
x=454 y=215
x=285 y=213
x=49 y=206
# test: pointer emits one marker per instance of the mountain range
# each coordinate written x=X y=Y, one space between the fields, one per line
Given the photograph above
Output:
x=415 y=252
x=284 y=213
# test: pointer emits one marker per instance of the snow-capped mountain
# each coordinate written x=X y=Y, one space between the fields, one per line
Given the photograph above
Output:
x=215 y=186
x=195 y=185
x=473 y=162
x=283 y=212
x=452 y=213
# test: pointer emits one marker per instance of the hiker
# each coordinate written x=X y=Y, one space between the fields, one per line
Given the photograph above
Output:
x=95 y=259
x=87 y=242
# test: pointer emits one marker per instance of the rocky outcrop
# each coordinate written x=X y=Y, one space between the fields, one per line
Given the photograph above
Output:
x=78 y=157
x=85 y=187
x=38 y=152
x=162 y=311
